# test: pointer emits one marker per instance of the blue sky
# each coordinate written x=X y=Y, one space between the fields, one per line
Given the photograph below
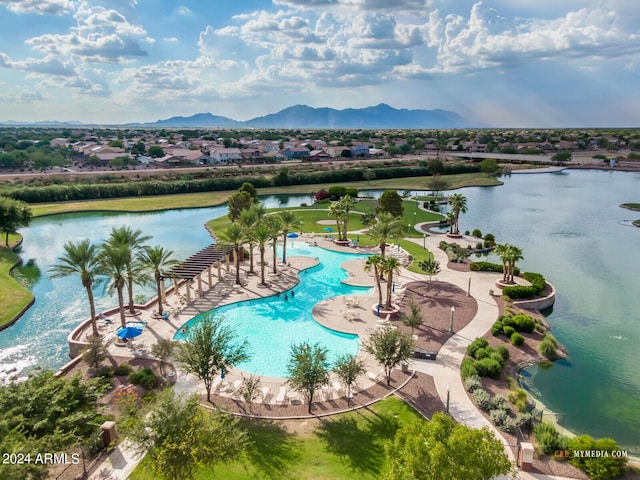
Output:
x=505 y=63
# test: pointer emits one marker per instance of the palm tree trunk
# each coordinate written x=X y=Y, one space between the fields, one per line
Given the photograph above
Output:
x=92 y=309
x=284 y=247
x=275 y=257
x=237 y=254
x=262 y=266
x=132 y=308
x=159 y=292
x=251 y=258
x=123 y=320
x=375 y=271
x=389 y=286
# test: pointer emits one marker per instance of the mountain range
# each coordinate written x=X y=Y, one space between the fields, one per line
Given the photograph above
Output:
x=303 y=116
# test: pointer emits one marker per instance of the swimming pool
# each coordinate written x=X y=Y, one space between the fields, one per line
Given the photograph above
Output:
x=272 y=325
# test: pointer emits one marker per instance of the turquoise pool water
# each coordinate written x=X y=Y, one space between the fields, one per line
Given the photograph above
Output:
x=272 y=325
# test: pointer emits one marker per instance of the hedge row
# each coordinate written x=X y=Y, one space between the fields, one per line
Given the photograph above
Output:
x=490 y=267
x=538 y=284
x=79 y=191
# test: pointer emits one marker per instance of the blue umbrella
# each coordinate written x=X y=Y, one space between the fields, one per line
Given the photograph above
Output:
x=292 y=235
x=128 y=332
x=328 y=229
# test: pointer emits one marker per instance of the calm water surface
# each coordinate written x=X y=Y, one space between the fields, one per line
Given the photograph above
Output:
x=567 y=224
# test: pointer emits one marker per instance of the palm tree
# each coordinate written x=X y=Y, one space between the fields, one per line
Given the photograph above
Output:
x=249 y=219
x=262 y=234
x=336 y=210
x=458 y=203
x=386 y=226
x=450 y=218
x=502 y=251
x=514 y=254
x=390 y=265
x=288 y=221
x=374 y=262
x=81 y=259
x=133 y=242
x=113 y=264
x=234 y=235
x=347 y=203
x=414 y=318
x=158 y=262
x=274 y=226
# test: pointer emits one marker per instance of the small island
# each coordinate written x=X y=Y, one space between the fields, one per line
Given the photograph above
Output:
x=635 y=207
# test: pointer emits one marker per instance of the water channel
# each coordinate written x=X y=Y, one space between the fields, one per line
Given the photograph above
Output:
x=570 y=228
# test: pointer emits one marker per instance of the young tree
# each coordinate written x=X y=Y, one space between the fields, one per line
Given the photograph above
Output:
x=13 y=214
x=250 y=389
x=179 y=436
x=237 y=202
x=437 y=184
x=348 y=368
x=561 y=157
x=374 y=262
x=429 y=267
x=435 y=166
x=155 y=151
x=369 y=175
x=390 y=348
x=389 y=266
x=81 y=259
x=414 y=318
x=308 y=369
x=95 y=353
x=162 y=350
x=442 y=449
x=210 y=347
x=390 y=202
x=458 y=204
x=489 y=166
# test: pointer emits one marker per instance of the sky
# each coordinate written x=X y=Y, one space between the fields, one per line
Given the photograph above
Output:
x=501 y=63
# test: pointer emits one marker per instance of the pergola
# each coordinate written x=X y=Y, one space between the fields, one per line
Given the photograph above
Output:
x=194 y=266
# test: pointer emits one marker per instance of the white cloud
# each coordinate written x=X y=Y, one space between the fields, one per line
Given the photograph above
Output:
x=22 y=96
x=171 y=40
x=386 y=5
x=40 y=7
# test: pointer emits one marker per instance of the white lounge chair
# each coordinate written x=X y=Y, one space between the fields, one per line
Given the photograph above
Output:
x=337 y=387
x=266 y=392
x=282 y=395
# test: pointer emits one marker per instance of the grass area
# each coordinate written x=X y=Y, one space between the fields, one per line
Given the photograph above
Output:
x=13 y=296
x=417 y=252
x=631 y=206
x=344 y=446
x=206 y=199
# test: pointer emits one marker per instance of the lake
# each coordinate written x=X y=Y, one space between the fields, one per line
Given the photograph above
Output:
x=569 y=226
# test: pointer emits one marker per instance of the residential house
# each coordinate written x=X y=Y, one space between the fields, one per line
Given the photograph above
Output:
x=295 y=152
x=225 y=156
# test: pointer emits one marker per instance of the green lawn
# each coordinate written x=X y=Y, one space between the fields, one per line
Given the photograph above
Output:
x=631 y=206
x=13 y=296
x=205 y=199
x=347 y=446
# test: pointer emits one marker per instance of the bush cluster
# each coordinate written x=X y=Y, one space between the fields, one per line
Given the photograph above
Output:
x=144 y=377
x=538 y=284
x=483 y=360
x=536 y=280
x=509 y=326
x=490 y=267
x=497 y=407
x=124 y=369
x=516 y=339
x=548 y=347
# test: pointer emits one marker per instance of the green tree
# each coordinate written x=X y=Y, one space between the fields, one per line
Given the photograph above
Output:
x=249 y=219
x=561 y=157
x=282 y=178
x=308 y=369
x=13 y=215
x=509 y=254
x=385 y=228
x=346 y=203
x=132 y=241
x=369 y=175
x=113 y=264
x=262 y=234
x=390 y=202
x=435 y=166
x=210 y=347
x=83 y=259
x=458 y=204
x=179 y=437
x=390 y=348
x=389 y=266
x=251 y=190
x=158 y=262
x=429 y=267
x=96 y=352
x=162 y=350
x=598 y=468
x=437 y=184
x=275 y=228
x=442 y=449
x=336 y=211
x=348 y=368
x=155 y=151
x=237 y=202
x=502 y=252
x=374 y=263
x=489 y=166
x=234 y=235
x=414 y=318
x=288 y=222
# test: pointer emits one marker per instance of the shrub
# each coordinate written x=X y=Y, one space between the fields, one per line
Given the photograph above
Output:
x=488 y=367
x=144 y=377
x=489 y=237
x=508 y=331
x=472 y=383
x=479 y=246
x=547 y=438
x=482 y=353
x=496 y=329
x=468 y=368
x=500 y=403
x=503 y=351
x=483 y=399
x=503 y=420
x=524 y=323
x=104 y=372
x=551 y=338
x=476 y=233
x=536 y=280
x=497 y=357
x=523 y=418
x=477 y=344
x=516 y=339
x=507 y=321
x=123 y=369
x=520 y=292
x=548 y=349
x=490 y=267
x=520 y=399
x=598 y=468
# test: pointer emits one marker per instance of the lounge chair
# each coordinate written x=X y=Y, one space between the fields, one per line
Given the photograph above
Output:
x=233 y=387
x=282 y=395
x=266 y=393
x=216 y=384
x=337 y=387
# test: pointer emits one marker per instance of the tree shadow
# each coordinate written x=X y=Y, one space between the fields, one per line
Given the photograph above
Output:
x=273 y=450
x=359 y=440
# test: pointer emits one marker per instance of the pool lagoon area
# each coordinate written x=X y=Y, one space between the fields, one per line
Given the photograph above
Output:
x=273 y=324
